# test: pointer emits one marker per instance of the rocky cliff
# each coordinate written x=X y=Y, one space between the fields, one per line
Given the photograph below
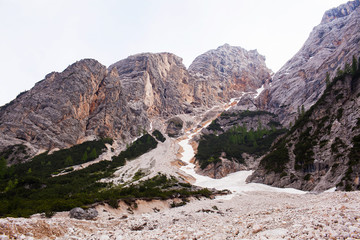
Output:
x=223 y=73
x=301 y=80
x=322 y=149
x=88 y=100
x=54 y=113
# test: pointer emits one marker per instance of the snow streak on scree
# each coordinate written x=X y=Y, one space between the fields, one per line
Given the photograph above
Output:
x=235 y=182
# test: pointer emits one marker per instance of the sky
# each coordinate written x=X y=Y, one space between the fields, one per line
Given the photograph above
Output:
x=42 y=36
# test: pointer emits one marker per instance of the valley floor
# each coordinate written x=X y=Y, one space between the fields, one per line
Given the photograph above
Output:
x=252 y=215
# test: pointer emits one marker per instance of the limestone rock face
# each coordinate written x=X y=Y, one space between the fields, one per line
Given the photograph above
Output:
x=55 y=111
x=225 y=72
x=301 y=80
x=156 y=84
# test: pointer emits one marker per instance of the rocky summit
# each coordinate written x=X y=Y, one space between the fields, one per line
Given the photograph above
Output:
x=226 y=72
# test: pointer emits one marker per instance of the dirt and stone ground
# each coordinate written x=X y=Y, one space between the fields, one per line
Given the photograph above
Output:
x=253 y=215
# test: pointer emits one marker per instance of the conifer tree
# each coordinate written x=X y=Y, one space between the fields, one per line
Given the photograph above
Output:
x=69 y=161
x=3 y=166
x=354 y=65
x=84 y=157
x=327 y=79
x=302 y=110
x=93 y=154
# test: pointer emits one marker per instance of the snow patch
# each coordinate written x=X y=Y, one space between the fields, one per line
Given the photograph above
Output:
x=259 y=90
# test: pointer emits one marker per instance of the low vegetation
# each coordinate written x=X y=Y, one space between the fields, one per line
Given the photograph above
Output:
x=28 y=188
x=236 y=141
x=158 y=135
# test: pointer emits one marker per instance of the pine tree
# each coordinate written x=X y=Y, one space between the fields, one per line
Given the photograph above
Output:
x=354 y=65
x=327 y=79
x=69 y=161
x=11 y=185
x=93 y=154
x=339 y=72
x=3 y=166
x=347 y=68
x=302 y=110
x=84 y=158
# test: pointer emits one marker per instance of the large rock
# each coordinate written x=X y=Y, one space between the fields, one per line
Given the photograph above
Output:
x=301 y=80
x=79 y=213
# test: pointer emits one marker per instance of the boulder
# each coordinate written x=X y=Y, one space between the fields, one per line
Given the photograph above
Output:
x=79 y=213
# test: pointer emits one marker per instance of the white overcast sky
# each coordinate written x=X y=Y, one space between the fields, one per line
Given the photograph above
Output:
x=41 y=36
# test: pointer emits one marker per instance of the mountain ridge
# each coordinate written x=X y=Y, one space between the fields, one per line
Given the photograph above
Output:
x=88 y=100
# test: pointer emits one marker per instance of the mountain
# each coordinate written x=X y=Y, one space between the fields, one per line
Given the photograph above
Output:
x=116 y=160
x=226 y=72
x=322 y=149
x=301 y=81
x=88 y=100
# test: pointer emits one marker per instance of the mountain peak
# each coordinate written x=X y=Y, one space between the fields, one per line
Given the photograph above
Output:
x=340 y=11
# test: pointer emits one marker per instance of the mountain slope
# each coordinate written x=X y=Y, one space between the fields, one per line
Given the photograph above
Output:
x=301 y=80
x=322 y=149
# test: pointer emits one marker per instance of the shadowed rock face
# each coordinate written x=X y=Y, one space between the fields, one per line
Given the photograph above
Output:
x=88 y=100
x=223 y=73
x=302 y=79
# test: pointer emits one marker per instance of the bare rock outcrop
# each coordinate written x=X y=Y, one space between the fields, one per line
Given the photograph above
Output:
x=301 y=80
x=225 y=72
x=157 y=84
x=54 y=112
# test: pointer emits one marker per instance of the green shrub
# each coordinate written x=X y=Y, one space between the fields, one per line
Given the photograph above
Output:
x=113 y=203
x=158 y=135
x=307 y=177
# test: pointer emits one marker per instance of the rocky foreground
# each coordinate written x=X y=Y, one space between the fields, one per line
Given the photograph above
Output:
x=255 y=215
